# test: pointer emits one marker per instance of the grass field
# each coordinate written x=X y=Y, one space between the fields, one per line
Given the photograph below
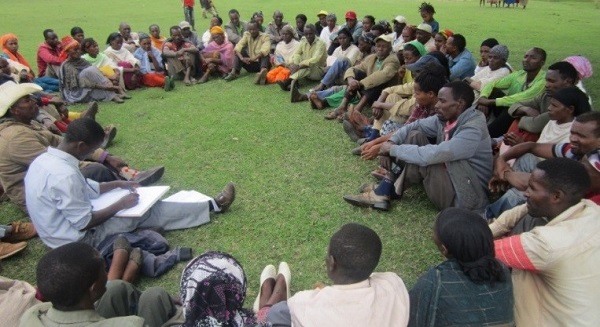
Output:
x=291 y=166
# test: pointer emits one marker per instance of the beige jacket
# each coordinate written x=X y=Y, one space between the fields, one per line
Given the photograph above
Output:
x=386 y=75
x=260 y=45
x=19 y=145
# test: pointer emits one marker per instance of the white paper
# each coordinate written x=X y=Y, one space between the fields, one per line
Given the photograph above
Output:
x=149 y=195
x=188 y=197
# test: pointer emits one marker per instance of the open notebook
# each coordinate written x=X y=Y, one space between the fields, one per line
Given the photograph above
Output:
x=149 y=195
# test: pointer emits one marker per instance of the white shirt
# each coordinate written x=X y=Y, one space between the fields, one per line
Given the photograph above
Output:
x=352 y=53
x=380 y=300
x=326 y=33
x=58 y=197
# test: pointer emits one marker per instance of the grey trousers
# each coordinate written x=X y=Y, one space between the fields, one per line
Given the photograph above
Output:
x=124 y=299
x=279 y=315
x=435 y=178
x=167 y=215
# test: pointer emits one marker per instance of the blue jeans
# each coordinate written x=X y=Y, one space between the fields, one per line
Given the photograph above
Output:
x=330 y=91
x=336 y=71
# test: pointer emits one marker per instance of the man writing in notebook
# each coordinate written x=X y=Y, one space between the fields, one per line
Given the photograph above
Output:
x=58 y=197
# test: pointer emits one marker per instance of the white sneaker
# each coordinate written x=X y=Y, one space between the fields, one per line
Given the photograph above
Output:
x=284 y=269
x=268 y=272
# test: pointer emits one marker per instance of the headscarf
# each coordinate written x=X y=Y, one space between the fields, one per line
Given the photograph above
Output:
x=582 y=65
x=67 y=43
x=12 y=56
x=446 y=33
x=217 y=30
x=420 y=47
x=213 y=289
x=287 y=29
x=501 y=51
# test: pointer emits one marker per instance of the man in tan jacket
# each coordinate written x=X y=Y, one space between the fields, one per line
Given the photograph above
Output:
x=309 y=60
x=370 y=77
x=22 y=139
x=252 y=54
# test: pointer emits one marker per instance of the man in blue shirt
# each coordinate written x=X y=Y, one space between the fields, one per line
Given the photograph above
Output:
x=460 y=59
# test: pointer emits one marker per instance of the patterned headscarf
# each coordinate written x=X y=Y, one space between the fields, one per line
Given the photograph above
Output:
x=582 y=65
x=446 y=33
x=213 y=289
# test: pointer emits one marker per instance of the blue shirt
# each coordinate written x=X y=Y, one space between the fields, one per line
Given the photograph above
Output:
x=461 y=66
x=145 y=65
x=58 y=198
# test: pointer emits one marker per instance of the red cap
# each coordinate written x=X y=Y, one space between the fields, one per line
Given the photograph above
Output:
x=350 y=15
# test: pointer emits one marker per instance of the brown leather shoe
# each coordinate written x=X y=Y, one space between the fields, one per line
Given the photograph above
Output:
x=369 y=199
x=226 y=197
x=149 y=176
x=261 y=77
x=295 y=95
x=9 y=249
x=20 y=232
x=91 y=111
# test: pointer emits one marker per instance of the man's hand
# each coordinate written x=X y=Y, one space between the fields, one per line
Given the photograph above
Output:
x=512 y=139
x=385 y=162
x=496 y=185
x=246 y=60
x=353 y=85
x=128 y=201
x=115 y=162
x=500 y=168
x=293 y=68
x=385 y=148
x=377 y=113
x=370 y=153
x=486 y=102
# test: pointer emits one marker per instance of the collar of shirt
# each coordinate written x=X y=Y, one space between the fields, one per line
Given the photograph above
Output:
x=447 y=128
x=364 y=284
x=71 y=160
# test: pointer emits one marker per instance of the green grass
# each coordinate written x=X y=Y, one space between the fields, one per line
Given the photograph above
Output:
x=291 y=166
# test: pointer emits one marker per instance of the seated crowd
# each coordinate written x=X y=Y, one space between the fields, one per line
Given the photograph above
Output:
x=411 y=96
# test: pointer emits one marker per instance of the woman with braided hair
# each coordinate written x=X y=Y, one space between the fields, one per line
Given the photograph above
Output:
x=470 y=288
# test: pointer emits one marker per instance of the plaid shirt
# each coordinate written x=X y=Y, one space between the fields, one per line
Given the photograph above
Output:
x=445 y=296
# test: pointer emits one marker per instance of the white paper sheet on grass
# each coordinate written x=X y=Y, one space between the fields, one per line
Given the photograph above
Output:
x=188 y=196
x=149 y=195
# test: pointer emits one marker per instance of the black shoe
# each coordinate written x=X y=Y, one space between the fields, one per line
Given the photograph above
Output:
x=295 y=95
x=285 y=85
x=349 y=129
x=149 y=176
x=226 y=197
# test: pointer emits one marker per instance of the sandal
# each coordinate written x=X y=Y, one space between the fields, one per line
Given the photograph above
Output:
x=336 y=114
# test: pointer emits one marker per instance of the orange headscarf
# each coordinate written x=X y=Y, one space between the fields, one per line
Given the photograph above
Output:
x=67 y=44
x=217 y=30
x=13 y=56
